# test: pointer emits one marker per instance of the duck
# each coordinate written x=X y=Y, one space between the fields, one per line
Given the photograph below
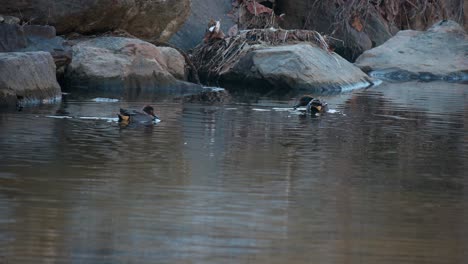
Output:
x=311 y=104
x=213 y=32
x=146 y=116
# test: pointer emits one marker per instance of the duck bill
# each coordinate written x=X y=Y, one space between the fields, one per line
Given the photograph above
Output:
x=155 y=117
x=319 y=108
x=123 y=118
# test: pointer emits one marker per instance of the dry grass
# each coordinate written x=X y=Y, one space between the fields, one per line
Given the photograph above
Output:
x=216 y=58
x=347 y=16
x=396 y=12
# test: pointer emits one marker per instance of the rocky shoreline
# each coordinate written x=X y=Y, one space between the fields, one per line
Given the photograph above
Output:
x=438 y=54
x=34 y=60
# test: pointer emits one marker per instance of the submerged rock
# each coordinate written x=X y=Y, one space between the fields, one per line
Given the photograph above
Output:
x=27 y=78
x=120 y=64
x=440 y=53
x=157 y=19
x=209 y=95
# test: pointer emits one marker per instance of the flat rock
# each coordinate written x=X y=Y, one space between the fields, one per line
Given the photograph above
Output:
x=27 y=77
x=299 y=66
x=441 y=52
x=120 y=64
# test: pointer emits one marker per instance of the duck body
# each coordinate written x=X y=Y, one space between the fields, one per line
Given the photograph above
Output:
x=145 y=117
x=311 y=104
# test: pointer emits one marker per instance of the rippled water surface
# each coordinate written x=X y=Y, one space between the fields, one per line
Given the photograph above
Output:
x=382 y=178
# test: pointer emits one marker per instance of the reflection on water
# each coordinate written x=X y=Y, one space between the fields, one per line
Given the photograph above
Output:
x=382 y=180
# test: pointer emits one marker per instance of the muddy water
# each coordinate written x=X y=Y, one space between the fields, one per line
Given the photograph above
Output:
x=382 y=178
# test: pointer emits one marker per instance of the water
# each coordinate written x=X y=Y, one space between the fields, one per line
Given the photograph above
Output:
x=380 y=179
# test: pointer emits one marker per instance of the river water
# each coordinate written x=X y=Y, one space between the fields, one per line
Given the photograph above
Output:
x=381 y=178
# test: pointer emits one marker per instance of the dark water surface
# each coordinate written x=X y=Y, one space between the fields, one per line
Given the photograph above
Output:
x=383 y=180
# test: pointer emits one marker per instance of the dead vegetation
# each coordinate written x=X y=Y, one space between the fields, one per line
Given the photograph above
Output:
x=251 y=14
x=403 y=14
x=362 y=24
x=258 y=24
x=218 y=57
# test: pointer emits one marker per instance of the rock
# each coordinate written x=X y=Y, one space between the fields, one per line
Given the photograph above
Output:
x=11 y=20
x=27 y=77
x=209 y=95
x=121 y=64
x=426 y=13
x=11 y=38
x=16 y=38
x=173 y=61
x=438 y=53
x=300 y=66
x=151 y=19
x=192 y=32
x=362 y=26
x=465 y=10
x=325 y=18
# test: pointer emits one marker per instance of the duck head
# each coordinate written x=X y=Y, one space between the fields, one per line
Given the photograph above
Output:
x=311 y=103
x=150 y=111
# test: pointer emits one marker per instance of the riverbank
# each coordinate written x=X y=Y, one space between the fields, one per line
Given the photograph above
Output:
x=266 y=57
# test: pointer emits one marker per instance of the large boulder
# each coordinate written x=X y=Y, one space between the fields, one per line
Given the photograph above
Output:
x=150 y=19
x=421 y=15
x=27 y=77
x=438 y=53
x=16 y=38
x=192 y=32
x=299 y=66
x=331 y=19
x=123 y=64
x=361 y=25
x=11 y=38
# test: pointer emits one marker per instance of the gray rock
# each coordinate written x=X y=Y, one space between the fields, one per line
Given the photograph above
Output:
x=122 y=64
x=11 y=20
x=208 y=95
x=16 y=38
x=193 y=30
x=157 y=19
x=465 y=11
x=325 y=18
x=440 y=53
x=173 y=62
x=27 y=77
x=367 y=24
x=11 y=38
x=300 y=66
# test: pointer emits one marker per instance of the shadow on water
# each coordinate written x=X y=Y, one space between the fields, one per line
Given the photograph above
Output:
x=380 y=179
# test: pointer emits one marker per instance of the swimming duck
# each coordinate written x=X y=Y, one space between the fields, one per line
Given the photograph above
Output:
x=312 y=104
x=132 y=116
